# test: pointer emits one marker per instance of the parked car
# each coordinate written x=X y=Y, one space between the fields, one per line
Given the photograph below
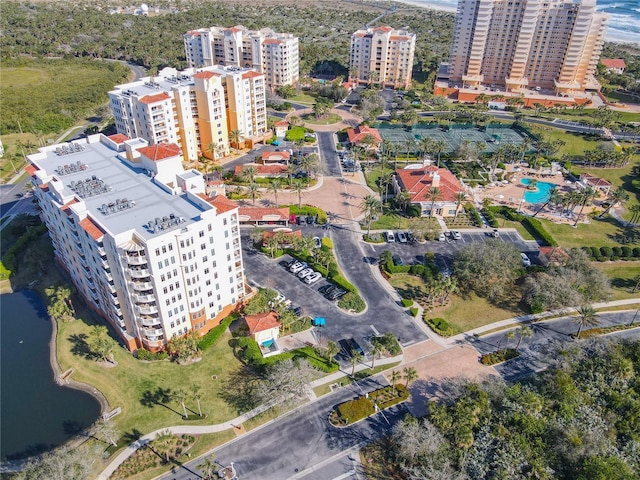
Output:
x=494 y=233
x=325 y=288
x=389 y=237
x=296 y=267
x=313 y=278
x=303 y=273
x=402 y=237
x=317 y=242
x=442 y=238
x=336 y=294
x=456 y=235
x=410 y=237
x=354 y=346
x=397 y=259
x=526 y=261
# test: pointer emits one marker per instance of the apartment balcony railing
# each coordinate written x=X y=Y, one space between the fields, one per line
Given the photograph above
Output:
x=141 y=298
x=138 y=272
x=151 y=322
x=136 y=260
x=146 y=310
x=141 y=285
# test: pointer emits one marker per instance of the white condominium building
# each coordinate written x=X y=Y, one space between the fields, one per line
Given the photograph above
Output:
x=383 y=56
x=550 y=44
x=273 y=54
x=143 y=244
x=195 y=108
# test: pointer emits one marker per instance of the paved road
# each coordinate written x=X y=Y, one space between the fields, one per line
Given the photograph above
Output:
x=302 y=444
x=533 y=350
x=328 y=157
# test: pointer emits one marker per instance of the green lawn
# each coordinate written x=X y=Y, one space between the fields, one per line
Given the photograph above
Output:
x=391 y=222
x=575 y=143
x=302 y=98
x=326 y=120
x=622 y=275
x=461 y=312
x=599 y=233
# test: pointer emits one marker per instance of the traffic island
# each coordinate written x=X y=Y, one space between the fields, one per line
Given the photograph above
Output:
x=353 y=411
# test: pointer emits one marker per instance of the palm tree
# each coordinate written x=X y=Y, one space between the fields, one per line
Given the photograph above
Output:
x=460 y=197
x=523 y=332
x=291 y=170
x=376 y=350
x=298 y=187
x=395 y=378
x=552 y=196
x=208 y=467
x=587 y=317
x=180 y=395
x=438 y=147
x=254 y=191
x=249 y=173
x=369 y=206
x=587 y=194
x=331 y=350
x=356 y=357
x=386 y=179
x=275 y=185
x=309 y=164
x=236 y=137
x=163 y=442
x=619 y=195
x=433 y=194
x=196 y=394
x=410 y=374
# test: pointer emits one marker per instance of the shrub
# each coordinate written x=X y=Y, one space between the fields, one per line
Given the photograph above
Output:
x=373 y=238
x=626 y=252
x=327 y=243
x=414 y=312
x=389 y=342
x=499 y=356
x=616 y=252
x=414 y=211
x=216 y=332
x=491 y=218
x=473 y=213
x=535 y=228
x=595 y=252
x=606 y=252
x=355 y=410
x=352 y=301
x=343 y=283
x=636 y=252
x=417 y=270
x=440 y=326
x=308 y=210
x=407 y=302
x=146 y=355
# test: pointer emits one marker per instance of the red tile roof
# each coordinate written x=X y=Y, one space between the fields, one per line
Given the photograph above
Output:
x=118 y=138
x=282 y=123
x=206 y=75
x=66 y=208
x=384 y=28
x=613 y=62
x=254 y=214
x=234 y=29
x=272 y=41
x=31 y=170
x=262 y=322
x=275 y=169
x=595 y=181
x=158 y=97
x=395 y=38
x=91 y=228
x=222 y=203
x=276 y=156
x=160 y=151
x=418 y=182
x=194 y=32
x=251 y=74
x=44 y=187
x=356 y=135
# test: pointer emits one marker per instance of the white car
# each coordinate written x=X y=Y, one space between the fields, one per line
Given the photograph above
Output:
x=456 y=235
x=390 y=237
x=402 y=237
x=296 y=267
x=305 y=272
x=313 y=278
x=526 y=261
x=442 y=238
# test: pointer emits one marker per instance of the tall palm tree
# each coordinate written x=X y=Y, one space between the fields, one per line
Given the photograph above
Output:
x=291 y=170
x=196 y=394
x=395 y=378
x=460 y=197
x=433 y=194
x=208 y=467
x=438 y=147
x=523 y=332
x=619 y=195
x=275 y=186
x=298 y=187
x=587 y=194
x=180 y=396
x=332 y=349
x=410 y=374
x=587 y=317
x=254 y=192
x=552 y=196
x=369 y=206
x=385 y=180
x=426 y=144
x=356 y=357
x=309 y=164
x=236 y=137
x=375 y=351
x=163 y=442
x=249 y=173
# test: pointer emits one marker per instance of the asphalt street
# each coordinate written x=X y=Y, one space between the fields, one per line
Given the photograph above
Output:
x=534 y=351
x=302 y=444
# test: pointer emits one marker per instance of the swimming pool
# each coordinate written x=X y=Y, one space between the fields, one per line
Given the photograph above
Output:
x=537 y=196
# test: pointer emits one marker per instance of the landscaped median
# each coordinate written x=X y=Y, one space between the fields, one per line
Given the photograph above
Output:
x=353 y=411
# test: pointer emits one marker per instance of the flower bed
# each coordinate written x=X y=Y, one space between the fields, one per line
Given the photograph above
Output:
x=499 y=356
x=362 y=407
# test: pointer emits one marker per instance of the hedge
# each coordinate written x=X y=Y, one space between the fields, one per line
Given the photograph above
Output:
x=250 y=353
x=414 y=312
x=10 y=259
x=355 y=410
x=216 y=332
x=352 y=301
x=535 y=228
x=392 y=268
x=499 y=356
x=142 y=354
x=308 y=210
x=440 y=326
x=612 y=253
x=407 y=302
x=343 y=283
x=327 y=243
x=473 y=213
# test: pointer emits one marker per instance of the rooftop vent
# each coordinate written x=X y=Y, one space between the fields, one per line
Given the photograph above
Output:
x=117 y=206
x=160 y=224
x=69 y=148
x=71 y=168
x=89 y=187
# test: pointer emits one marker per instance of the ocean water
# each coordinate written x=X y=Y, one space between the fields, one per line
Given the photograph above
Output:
x=623 y=24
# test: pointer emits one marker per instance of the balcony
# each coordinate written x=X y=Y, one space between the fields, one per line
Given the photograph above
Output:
x=152 y=343
x=136 y=260
x=144 y=298
x=141 y=285
x=151 y=322
x=147 y=309
x=138 y=272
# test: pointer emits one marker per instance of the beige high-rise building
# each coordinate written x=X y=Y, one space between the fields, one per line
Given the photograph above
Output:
x=518 y=44
x=275 y=55
x=196 y=109
x=382 y=55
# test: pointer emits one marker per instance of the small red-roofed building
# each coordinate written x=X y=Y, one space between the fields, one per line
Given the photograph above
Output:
x=598 y=183
x=280 y=128
x=419 y=180
x=253 y=215
x=614 y=65
x=161 y=151
x=275 y=157
x=264 y=328
x=359 y=136
x=274 y=170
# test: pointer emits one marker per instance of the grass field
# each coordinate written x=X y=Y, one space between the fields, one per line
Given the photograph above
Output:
x=622 y=275
x=601 y=232
x=327 y=120
x=463 y=313
x=575 y=143
x=302 y=98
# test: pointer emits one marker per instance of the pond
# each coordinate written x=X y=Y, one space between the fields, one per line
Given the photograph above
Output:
x=540 y=195
x=37 y=414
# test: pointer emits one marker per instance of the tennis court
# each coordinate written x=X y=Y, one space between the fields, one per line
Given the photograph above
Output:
x=493 y=137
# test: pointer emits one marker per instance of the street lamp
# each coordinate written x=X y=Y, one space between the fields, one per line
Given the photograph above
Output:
x=633 y=320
